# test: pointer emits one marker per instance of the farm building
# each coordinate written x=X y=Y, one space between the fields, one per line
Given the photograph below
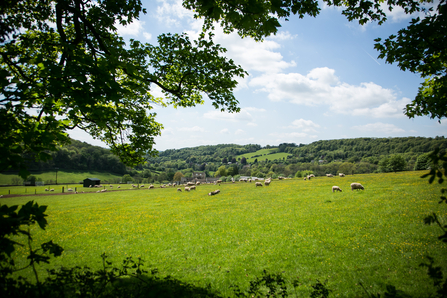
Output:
x=92 y=182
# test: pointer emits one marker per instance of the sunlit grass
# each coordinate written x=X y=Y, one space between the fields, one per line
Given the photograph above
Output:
x=294 y=227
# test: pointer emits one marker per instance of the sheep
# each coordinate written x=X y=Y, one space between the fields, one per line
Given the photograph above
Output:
x=192 y=187
x=304 y=178
x=179 y=189
x=142 y=185
x=329 y=175
x=52 y=189
x=46 y=189
x=198 y=183
x=336 y=188
x=357 y=186
x=308 y=177
x=104 y=190
x=267 y=182
x=312 y=175
x=89 y=186
x=111 y=186
x=187 y=188
x=341 y=174
x=69 y=189
x=190 y=184
x=98 y=191
x=258 y=184
x=150 y=186
x=249 y=180
x=119 y=186
x=214 y=192
x=280 y=178
x=219 y=181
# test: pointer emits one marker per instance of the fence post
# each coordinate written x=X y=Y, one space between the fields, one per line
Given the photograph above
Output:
x=62 y=189
x=35 y=191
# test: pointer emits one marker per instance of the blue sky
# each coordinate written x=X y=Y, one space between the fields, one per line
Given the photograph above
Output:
x=317 y=79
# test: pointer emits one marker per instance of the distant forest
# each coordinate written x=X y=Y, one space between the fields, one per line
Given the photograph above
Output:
x=359 y=155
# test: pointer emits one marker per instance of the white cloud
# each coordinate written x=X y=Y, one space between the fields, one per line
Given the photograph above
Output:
x=243 y=115
x=133 y=29
x=239 y=132
x=147 y=35
x=379 y=127
x=171 y=14
x=322 y=87
x=304 y=125
x=192 y=129
x=225 y=131
x=252 y=55
x=282 y=35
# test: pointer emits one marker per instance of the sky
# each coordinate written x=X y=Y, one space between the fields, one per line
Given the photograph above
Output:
x=316 y=79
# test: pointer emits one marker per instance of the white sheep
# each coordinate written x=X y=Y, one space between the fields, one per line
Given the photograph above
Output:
x=198 y=183
x=341 y=174
x=119 y=186
x=357 y=186
x=267 y=182
x=336 y=188
x=104 y=190
x=192 y=187
x=305 y=178
x=150 y=186
x=187 y=188
x=46 y=189
x=179 y=189
x=312 y=175
x=69 y=189
x=258 y=184
x=52 y=189
x=329 y=175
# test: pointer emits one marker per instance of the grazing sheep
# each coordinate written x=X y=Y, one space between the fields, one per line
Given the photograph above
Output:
x=69 y=189
x=312 y=175
x=46 y=189
x=329 y=175
x=179 y=189
x=198 y=183
x=187 y=188
x=150 y=186
x=357 y=186
x=334 y=188
x=219 y=181
x=249 y=180
x=267 y=182
x=111 y=186
x=142 y=185
x=280 y=178
x=308 y=177
x=341 y=174
x=192 y=187
x=89 y=186
x=258 y=184
x=52 y=189
x=304 y=178
x=214 y=192
x=104 y=190
x=98 y=191
x=118 y=186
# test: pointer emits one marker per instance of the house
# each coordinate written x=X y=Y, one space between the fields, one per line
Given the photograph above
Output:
x=91 y=182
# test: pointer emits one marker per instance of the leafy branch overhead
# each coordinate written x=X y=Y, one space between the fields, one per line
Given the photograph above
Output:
x=63 y=66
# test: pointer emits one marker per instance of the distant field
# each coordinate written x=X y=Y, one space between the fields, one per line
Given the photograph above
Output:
x=263 y=154
x=294 y=227
x=62 y=177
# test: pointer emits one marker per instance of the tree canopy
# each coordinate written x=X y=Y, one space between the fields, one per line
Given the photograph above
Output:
x=63 y=66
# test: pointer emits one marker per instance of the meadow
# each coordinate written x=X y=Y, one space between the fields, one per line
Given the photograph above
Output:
x=263 y=154
x=297 y=228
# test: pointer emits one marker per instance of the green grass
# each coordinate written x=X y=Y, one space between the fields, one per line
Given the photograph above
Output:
x=294 y=227
x=264 y=154
x=62 y=176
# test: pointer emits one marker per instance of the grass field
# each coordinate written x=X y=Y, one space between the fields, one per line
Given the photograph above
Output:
x=263 y=154
x=62 y=177
x=294 y=227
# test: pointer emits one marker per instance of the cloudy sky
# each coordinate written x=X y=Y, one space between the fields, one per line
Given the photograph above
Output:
x=317 y=79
